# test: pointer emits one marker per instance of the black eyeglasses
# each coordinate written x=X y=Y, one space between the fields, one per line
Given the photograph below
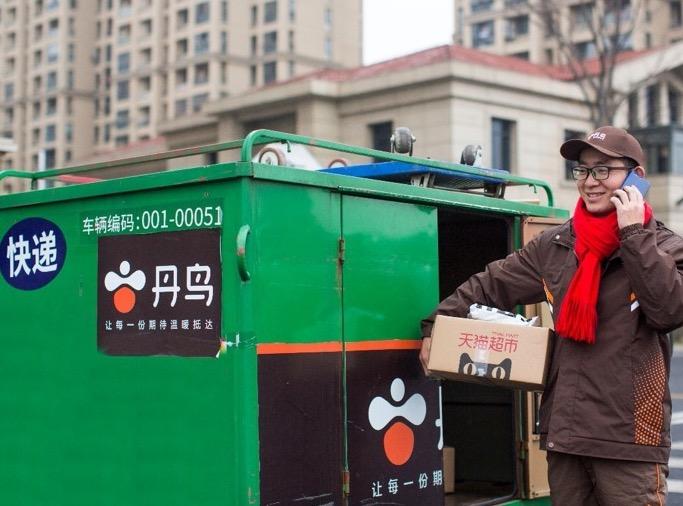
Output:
x=599 y=172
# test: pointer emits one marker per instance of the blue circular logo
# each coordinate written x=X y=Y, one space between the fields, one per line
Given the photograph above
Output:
x=32 y=253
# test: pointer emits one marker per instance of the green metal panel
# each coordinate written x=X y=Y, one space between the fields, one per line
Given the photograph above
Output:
x=80 y=427
x=293 y=252
x=390 y=268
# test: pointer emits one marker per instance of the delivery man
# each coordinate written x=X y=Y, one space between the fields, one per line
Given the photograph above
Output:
x=613 y=277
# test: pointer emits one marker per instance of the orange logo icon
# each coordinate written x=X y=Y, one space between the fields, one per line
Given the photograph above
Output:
x=399 y=439
x=123 y=286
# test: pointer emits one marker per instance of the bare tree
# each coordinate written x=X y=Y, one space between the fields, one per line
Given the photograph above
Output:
x=590 y=59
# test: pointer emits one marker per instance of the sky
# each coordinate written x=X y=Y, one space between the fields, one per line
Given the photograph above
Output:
x=393 y=28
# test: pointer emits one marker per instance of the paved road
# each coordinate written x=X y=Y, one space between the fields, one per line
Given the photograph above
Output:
x=675 y=481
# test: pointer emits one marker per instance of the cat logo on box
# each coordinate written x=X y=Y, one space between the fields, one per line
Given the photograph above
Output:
x=157 y=296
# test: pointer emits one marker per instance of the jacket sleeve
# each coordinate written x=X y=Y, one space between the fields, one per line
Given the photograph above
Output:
x=504 y=283
x=655 y=269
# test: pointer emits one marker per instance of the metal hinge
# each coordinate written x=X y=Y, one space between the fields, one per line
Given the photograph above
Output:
x=341 y=250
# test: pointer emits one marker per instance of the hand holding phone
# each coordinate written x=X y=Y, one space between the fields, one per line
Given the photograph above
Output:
x=634 y=179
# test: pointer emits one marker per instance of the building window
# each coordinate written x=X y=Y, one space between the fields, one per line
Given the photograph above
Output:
x=124 y=34
x=52 y=5
x=37 y=58
x=198 y=101
x=328 y=47
x=633 y=114
x=146 y=27
x=224 y=42
x=481 y=5
x=122 y=90
x=9 y=91
x=254 y=15
x=292 y=68
x=53 y=28
x=674 y=106
x=270 y=11
x=292 y=10
x=180 y=77
x=145 y=57
x=51 y=106
x=269 y=42
x=121 y=140
x=581 y=16
x=290 y=41
x=652 y=105
x=516 y=27
x=36 y=112
x=71 y=53
x=50 y=133
x=182 y=18
x=502 y=143
x=52 y=52
x=585 y=50
x=68 y=132
x=675 y=14
x=380 y=136
x=123 y=61
x=201 y=13
x=181 y=107
x=252 y=75
x=201 y=43
x=327 y=18
x=201 y=73
x=483 y=34
x=569 y=164
x=50 y=158
x=125 y=8
x=614 y=8
x=181 y=48
x=224 y=11
x=144 y=85
x=51 y=81
x=143 y=116
x=122 y=119
x=269 y=72
x=254 y=45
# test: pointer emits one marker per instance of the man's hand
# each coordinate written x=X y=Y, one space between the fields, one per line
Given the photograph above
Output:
x=424 y=352
x=630 y=206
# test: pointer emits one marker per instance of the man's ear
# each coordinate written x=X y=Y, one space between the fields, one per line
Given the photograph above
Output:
x=640 y=170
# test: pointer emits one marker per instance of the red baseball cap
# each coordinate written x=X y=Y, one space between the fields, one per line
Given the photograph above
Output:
x=612 y=141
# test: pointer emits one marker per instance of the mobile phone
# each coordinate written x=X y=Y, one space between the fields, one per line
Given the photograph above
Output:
x=634 y=179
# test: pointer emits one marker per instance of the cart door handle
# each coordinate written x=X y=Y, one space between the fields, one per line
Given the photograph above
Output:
x=242 y=252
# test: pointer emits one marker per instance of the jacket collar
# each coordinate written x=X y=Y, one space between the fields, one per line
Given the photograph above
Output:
x=565 y=236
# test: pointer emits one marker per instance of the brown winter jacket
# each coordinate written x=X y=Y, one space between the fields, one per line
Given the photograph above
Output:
x=610 y=399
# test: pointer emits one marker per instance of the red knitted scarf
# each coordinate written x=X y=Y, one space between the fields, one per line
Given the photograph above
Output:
x=597 y=237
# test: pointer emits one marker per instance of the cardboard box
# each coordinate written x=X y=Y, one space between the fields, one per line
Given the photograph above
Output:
x=448 y=469
x=489 y=353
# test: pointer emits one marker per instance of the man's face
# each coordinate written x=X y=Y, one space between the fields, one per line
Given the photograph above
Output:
x=596 y=194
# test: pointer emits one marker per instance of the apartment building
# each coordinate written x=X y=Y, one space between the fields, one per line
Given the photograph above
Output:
x=78 y=77
x=517 y=27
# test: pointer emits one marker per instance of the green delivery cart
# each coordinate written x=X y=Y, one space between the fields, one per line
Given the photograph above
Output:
x=246 y=333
